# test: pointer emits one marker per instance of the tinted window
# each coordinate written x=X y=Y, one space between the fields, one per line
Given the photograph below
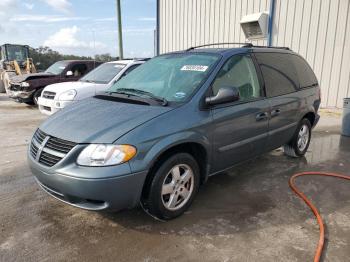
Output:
x=79 y=70
x=279 y=73
x=239 y=71
x=306 y=76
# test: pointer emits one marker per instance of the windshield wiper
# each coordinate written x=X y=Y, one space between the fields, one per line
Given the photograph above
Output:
x=127 y=91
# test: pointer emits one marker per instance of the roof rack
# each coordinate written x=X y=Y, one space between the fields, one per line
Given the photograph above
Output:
x=136 y=58
x=198 y=46
x=277 y=47
x=141 y=59
x=247 y=45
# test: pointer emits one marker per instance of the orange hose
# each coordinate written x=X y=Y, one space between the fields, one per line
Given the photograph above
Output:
x=312 y=207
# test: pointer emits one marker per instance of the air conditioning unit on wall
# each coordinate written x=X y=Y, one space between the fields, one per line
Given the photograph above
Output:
x=255 y=26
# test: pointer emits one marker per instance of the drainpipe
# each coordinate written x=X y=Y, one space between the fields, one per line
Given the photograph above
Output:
x=271 y=16
x=157 y=29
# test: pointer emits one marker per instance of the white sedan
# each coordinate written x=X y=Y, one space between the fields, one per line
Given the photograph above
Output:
x=57 y=96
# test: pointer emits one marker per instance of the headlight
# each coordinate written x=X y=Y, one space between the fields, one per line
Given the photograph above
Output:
x=25 y=84
x=105 y=155
x=67 y=95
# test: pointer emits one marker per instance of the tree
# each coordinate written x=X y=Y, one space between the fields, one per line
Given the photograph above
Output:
x=44 y=57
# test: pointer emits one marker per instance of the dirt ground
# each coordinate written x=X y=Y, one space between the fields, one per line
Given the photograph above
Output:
x=247 y=214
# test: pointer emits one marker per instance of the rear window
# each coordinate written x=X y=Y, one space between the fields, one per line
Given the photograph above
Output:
x=306 y=76
x=279 y=73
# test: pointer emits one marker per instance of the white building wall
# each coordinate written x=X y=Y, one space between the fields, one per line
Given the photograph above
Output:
x=319 y=30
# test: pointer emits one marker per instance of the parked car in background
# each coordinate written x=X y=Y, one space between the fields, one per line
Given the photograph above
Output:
x=162 y=130
x=57 y=96
x=27 y=88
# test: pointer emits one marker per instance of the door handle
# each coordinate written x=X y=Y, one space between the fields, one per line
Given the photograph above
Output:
x=261 y=116
x=275 y=112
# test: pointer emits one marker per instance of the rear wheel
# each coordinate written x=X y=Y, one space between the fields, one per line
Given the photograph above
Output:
x=298 y=146
x=174 y=186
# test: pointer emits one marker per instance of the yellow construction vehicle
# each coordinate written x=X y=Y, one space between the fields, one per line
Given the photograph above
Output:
x=14 y=60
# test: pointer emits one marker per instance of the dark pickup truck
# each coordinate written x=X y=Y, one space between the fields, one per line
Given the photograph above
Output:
x=27 y=88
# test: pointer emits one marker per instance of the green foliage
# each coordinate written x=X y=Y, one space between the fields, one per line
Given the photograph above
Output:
x=44 y=56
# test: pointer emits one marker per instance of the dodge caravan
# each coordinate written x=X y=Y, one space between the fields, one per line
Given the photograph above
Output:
x=157 y=134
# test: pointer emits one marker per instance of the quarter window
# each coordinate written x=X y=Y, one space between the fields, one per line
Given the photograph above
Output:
x=239 y=72
x=306 y=76
x=279 y=73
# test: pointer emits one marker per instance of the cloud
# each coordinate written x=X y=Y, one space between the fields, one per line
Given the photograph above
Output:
x=6 y=8
x=60 y=5
x=29 y=6
x=150 y=19
x=46 y=18
x=66 y=39
x=107 y=19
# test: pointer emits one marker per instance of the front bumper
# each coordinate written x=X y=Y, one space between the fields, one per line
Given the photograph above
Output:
x=112 y=193
x=21 y=96
x=50 y=106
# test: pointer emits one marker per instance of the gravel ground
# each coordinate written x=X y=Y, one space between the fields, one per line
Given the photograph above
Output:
x=247 y=214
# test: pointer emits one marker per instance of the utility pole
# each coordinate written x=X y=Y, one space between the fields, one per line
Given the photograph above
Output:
x=120 y=33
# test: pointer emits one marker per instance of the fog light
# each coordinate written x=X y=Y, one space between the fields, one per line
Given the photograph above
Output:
x=58 y=104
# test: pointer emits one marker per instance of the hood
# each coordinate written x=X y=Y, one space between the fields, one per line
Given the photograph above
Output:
x=94 y=120
x=25 y=77
x=59 y=88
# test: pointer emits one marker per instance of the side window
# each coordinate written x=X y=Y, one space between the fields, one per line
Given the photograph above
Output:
x=131 y=68
x=306 y=76
x=279 y=73
x=79 y=70
x=239 y=71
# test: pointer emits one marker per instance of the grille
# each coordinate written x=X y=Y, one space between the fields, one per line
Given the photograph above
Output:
x=52 y=150
x=15 y=87
x=49 y=95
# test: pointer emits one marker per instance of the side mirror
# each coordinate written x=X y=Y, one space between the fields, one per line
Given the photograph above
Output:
x=224 y=95
x=69 y=73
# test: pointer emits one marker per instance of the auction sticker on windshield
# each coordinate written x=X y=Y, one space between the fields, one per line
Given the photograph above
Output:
x=198 y=68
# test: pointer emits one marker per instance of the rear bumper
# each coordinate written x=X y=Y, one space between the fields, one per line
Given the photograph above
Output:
x=114 y=193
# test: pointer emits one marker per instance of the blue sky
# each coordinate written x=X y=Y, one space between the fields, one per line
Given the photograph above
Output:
x=82 y=27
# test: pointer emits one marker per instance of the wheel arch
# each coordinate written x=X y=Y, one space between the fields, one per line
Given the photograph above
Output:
x=311 y=116
x=197 y=149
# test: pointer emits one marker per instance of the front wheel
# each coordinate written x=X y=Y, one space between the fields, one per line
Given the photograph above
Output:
x=298 y=146
x=36 y=96
x=174 y=186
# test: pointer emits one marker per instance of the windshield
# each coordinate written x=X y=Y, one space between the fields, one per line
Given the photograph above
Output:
x=103 y=74
x=18 y=53
x=173 y=77
x=57 y=67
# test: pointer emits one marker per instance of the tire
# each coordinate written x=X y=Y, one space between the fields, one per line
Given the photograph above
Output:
x=163 y=205
x=36 y=95
x=299 y=145
x=2 y=87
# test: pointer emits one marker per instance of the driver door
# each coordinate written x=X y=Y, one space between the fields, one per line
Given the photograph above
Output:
x=240 y=128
